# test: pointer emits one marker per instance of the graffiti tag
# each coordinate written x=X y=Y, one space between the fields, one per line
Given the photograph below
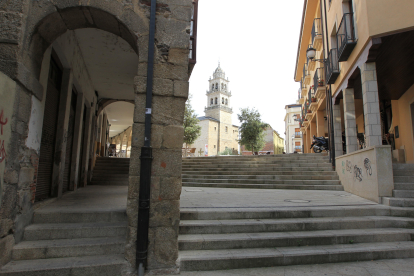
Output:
x=348 y=166
x=367 y=165
x=357 y=173
x=3 y=122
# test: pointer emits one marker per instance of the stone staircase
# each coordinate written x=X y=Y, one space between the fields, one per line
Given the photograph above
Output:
x=219 y=239
x=111 y=171
x=403 y=193
x=71 y=243
x=287 y=171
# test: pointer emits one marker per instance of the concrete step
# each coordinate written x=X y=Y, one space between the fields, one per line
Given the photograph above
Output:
x=275 y=176
x=254 y=172
x=106 y=265
x=404 y=186
x=285 y=239
x=366 y=210
x=273 y=161
x=260 y=169
x=403 y=172
x=261 y=181
x=399 y=166
x=404 y=179
x=403 y=193
x=54 y=231
x=263 y=257
x=398 y=202
x=253 y=165
x=110 y=182
x=44 y=249
x=110 y=177
x=267 y=186
x=42 y=216
x=291 y=224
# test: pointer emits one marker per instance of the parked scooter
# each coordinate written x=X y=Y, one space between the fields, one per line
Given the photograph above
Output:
x=319 y=144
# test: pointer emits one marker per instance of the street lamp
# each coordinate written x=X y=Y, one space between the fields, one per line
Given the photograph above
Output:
x=311 y=53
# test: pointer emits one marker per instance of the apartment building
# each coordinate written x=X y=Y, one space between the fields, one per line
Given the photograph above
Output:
x=354 y=66
x=293 y=141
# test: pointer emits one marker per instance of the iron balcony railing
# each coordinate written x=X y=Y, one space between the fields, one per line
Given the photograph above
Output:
x=316 y=28
x=302 y=84
x=332 y=66
x=298 y=135
x=311 y=94
x=345 y=37
x=318 y=79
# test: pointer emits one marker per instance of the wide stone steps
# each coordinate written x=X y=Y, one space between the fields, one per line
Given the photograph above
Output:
x=252 y=165
x=44 y=249
x=286 y=186
x=192 y=227
x=111 y=171
x=254 y=173
x=403 y=193
x=263 y=257
x=79 y=217
x=286 y=239
x=274 y=176
x=258 y=170
x=55 y=231
x=103 y=265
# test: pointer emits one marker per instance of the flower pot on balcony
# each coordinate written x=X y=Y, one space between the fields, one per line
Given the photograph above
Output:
x=320 y=83
x=309 y=111
x=313 y=99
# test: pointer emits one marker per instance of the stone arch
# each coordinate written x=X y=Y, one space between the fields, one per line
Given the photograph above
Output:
x=102 y=103
x=46 y=23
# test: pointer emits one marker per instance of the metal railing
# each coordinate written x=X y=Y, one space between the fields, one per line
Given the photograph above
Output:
x=332 y=66
x=302 y=84
x=316 y=28
x=318 y=78
x=345 y=34
x=298 y=135
x=311 y=94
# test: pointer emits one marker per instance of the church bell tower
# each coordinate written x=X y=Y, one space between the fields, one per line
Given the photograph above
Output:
x=218 y=97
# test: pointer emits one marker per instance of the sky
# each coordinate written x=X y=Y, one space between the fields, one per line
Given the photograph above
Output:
x=256 y=43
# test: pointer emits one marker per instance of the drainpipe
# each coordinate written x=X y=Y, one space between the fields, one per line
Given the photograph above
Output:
x=146 y=158
x=329 y=95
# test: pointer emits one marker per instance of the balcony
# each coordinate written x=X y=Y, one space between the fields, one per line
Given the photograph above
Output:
x=332 y=67
x=303 y=88
x=317 y=34
x=345 y=37
x=306 y=75
x=298 y=148
x=319 y=87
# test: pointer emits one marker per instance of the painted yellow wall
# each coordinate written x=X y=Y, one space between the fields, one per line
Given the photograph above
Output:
x=402 y=119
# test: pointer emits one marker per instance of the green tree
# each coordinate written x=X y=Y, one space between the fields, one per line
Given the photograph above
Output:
x=191 y=128
x=252 y=129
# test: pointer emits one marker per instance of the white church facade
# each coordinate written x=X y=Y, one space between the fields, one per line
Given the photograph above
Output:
x=217 y=131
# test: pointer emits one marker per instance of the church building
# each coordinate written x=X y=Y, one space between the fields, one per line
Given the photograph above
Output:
x=217 y=131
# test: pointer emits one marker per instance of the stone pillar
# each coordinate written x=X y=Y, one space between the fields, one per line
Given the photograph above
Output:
x=337 y=130
x=86 y=148
x=77 y=140
x=304 y=142
x=312 y=131
x=370 y=100
x=320 y=123
x=61 y=132
x=350 y=121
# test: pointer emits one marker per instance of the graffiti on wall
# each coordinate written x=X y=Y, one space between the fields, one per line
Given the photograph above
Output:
x=357 y=173
x=348 y=166
x=367 y=166
x=3 y=122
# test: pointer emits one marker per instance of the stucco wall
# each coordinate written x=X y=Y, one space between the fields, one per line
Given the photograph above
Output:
x=401 y=112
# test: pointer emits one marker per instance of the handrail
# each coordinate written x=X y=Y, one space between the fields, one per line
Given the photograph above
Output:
x=318 y=79
x=345 y=33
x=316 y=28
x=332 y=64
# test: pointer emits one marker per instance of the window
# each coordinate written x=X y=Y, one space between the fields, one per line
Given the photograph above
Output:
x=227 y=129
x=216 y=86
x=222 y=100
x=212 y=87
x=227 y=102
x=216 y=101
x=215 y=128
x=214 y=146
x=211 y=101
x=222 y=86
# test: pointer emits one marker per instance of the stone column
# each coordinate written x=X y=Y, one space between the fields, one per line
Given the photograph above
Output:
x=312 y=125
x=370 y=100
x=61 y=132
x=320 y=123
x=86 y=148
x=350 y=121
x=337 y=122
x=303 y=142
x=77 y=140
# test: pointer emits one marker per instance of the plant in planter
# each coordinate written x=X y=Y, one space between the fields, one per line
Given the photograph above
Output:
x=313 y=99
x=320 y=83
x=309 y=111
